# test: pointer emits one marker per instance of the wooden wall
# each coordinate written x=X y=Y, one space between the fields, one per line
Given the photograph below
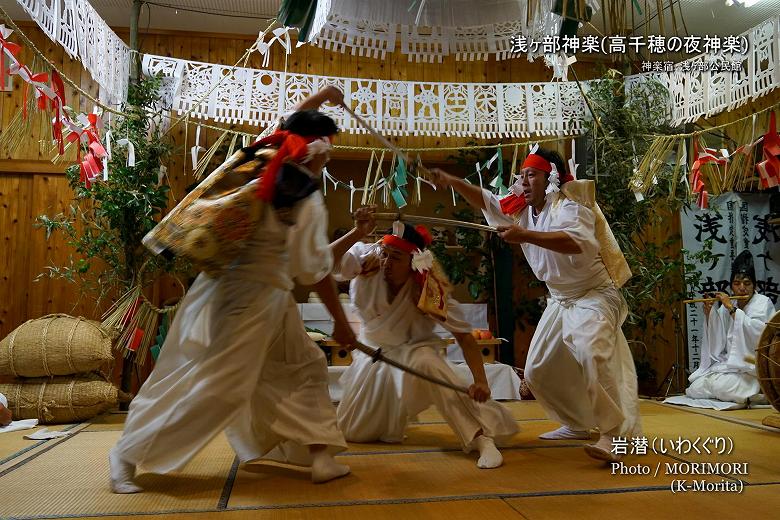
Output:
x=30 y=185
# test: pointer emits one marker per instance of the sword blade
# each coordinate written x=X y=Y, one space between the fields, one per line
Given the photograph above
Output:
x=377 y=355
x=434 y=220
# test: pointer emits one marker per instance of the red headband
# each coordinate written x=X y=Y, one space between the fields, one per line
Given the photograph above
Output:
x=408 y=247
x=538 y=162
x=292 y=147
x=399 y=243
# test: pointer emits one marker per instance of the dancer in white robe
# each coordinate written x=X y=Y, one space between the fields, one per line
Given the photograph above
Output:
x=237 y=357
x=726 y=377
x=579 y=365
x=379 y=399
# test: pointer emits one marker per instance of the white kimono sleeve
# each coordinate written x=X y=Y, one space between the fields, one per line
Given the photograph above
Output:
x=579 y=223
x=492 y=212
x=746 y=331
x=307 y=242
x=713 y=344
x=456 y=318
x=351 y=263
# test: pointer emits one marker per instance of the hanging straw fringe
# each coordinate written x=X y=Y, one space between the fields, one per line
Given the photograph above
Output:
x=736 y=173
x=203 y=163
x=378 y=175
x=232 y=147
x=678 y=168
x=364 y=198
x=651 y=165
x=19 y=128
x=134 y=319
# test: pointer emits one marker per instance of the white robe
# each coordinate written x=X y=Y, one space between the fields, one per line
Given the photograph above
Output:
x=724 y=373
x=379 y=399
x=579 y=365
x=237 y=359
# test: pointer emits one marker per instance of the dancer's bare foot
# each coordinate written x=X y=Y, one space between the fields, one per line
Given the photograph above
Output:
x=324 y=467
x=602 y=450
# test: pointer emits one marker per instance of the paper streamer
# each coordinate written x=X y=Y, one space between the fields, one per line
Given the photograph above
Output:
x=573 y=161
x=107 y=139
x=195 y=150
x=400 y=172
x=130 y=162
x=368 y=178
x=398 y=197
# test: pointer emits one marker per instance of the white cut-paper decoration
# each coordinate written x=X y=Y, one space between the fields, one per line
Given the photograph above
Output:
x=486 y=110
x=85 y=36
x=130 y=151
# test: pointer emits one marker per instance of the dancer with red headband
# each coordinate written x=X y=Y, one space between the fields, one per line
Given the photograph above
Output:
x=400 y=293
x=579 y=365
x=237 y=358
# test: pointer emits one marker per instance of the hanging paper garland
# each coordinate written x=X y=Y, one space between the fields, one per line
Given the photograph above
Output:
x=52 y=89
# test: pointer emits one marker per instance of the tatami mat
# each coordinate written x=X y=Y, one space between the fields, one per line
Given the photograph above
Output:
x=72 y=478
x=14 y=443
x=111 y=421
x=755 y=415
x=753 y=502
x=415 y=476
x=748 y=417
x=427 y=476
x=494 y=509
x=755 y=445
x=439 y=436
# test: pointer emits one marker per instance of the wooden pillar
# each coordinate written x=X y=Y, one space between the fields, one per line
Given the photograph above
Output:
x=128 y=365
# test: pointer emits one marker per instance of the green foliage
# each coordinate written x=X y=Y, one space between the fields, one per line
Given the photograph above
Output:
x=107 y=221
x=528 y=311
x=465 y=254
x=618 y=140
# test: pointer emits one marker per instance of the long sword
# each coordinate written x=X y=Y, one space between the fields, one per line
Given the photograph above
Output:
x=382 y=139
x=376 y=355
x=434 y=220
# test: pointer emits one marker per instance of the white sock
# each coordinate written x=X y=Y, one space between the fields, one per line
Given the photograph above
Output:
x=565 y=433
x=122 y=474
x=489 y=456
x=324 y=467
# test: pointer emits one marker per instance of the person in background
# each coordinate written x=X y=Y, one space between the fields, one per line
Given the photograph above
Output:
x=727 y=371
